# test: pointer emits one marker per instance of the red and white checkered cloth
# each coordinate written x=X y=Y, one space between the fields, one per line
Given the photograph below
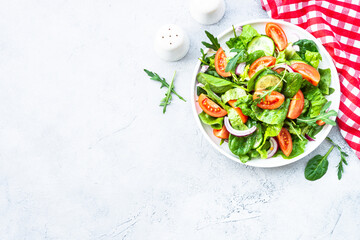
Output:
x=336 y=23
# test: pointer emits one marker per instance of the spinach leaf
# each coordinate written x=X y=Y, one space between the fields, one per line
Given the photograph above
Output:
x=313 y=58
x=317 y=166
x=271 y=131
x=233 y=94
x=274 y=116
x=215 y=43
x=292 y=84
x=298 y=147
x=241 y=145
x=306 y=107
x=216 y=123
x=244 y=158
x=254 y=56
x=218 y=85
x=254 y=154
x=313 y=130
x=325 y=81
x=317 y=101
x=305 y=44
x=212 y=95
x=235 y=119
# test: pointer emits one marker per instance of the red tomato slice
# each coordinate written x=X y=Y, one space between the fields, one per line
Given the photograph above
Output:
x=220 y=63
x=279 y=70
x=243 y=117
x=320 y=122
x=277 y=34
x=260 y=64
x=221 y=133
x=307 y=72
x=273 y=101
x=210 y=107
x=285 y=141
x=296 y=105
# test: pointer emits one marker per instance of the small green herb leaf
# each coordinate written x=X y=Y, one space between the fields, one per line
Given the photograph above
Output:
x=324 y=116
x=239 y=57
x=317 y=166
x=167 y=100
x=215 y=43
x=343 y=156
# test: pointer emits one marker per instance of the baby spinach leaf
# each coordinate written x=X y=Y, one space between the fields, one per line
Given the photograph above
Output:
x=235 y=119
x=325 y=81
x=218 y=85
x=241 y=145
x=274 y=116
x=292 y=84
x=254 y=56
x=244 y=103
x=244 y=158
x=271 y=131
x=212 y=95
x=305 y=44
x=313 y=58
x=317 y=166
x=233 y=94
x=216 y=123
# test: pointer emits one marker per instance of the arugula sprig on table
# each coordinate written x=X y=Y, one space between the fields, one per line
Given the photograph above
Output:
x=318 y=165
x=215 y=42
x=168 y=95
x=324 y=116
x=343 y=156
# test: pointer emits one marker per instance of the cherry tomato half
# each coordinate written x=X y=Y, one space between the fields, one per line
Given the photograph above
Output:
x=285 y=141
x=307 y=72
x=273 y=101
x=320 y=122
x=221 y=133
x=260 y=64
x=220 y=63
x=243 y=117
x=296 y=105
x=210 y=107
x=277 y=34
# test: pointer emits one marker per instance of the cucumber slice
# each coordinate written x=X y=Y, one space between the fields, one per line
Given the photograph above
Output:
x=268 y=81
x=262 y=43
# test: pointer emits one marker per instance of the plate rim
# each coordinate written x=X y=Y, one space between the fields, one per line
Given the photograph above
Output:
x=326 y=131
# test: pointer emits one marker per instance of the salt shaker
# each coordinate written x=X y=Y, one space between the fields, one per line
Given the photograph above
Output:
x=207 y=11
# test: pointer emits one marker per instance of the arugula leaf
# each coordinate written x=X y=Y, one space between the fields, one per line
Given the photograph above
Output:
x=343 y=156
x=324 y=116
x=241 y=56
x=294 y=129
x=215 y=43
x=154 y=76
x=317 y=166
x=325 y=81
x=167 y=99
x=216 y=123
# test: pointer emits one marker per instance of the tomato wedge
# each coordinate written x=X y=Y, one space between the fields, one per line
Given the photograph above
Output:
x=243 y=117
x=260 y=64
x=320 y=122
x=221 y=133
x=273 y=101
x=210 y=107
x=220 y=63
x=296 y=105
x=285 y=141
x=307 y=72
x=279 y=70
x=277 y=34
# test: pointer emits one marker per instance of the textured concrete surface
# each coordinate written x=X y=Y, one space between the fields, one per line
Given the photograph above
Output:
x=86 y=153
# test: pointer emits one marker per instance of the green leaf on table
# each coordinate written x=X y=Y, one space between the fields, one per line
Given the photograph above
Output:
x=317 y=166
x=214 y=42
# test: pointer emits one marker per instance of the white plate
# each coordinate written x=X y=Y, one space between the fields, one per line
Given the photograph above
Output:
x=291 y=31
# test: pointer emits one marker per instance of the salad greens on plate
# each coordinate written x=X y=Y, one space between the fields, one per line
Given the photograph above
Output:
x=264 y=96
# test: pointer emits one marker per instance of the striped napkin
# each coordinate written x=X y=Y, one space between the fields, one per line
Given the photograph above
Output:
x=336 y=23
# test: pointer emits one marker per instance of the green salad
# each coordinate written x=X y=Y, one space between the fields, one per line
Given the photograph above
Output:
x=264 y=96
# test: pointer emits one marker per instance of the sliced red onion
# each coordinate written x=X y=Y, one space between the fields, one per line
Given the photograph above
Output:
x=239 y=29
x=309 y=138
x=240 y=68
x=238 y=133
x=273 y=147
x=204 y=68
x=283 y=65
